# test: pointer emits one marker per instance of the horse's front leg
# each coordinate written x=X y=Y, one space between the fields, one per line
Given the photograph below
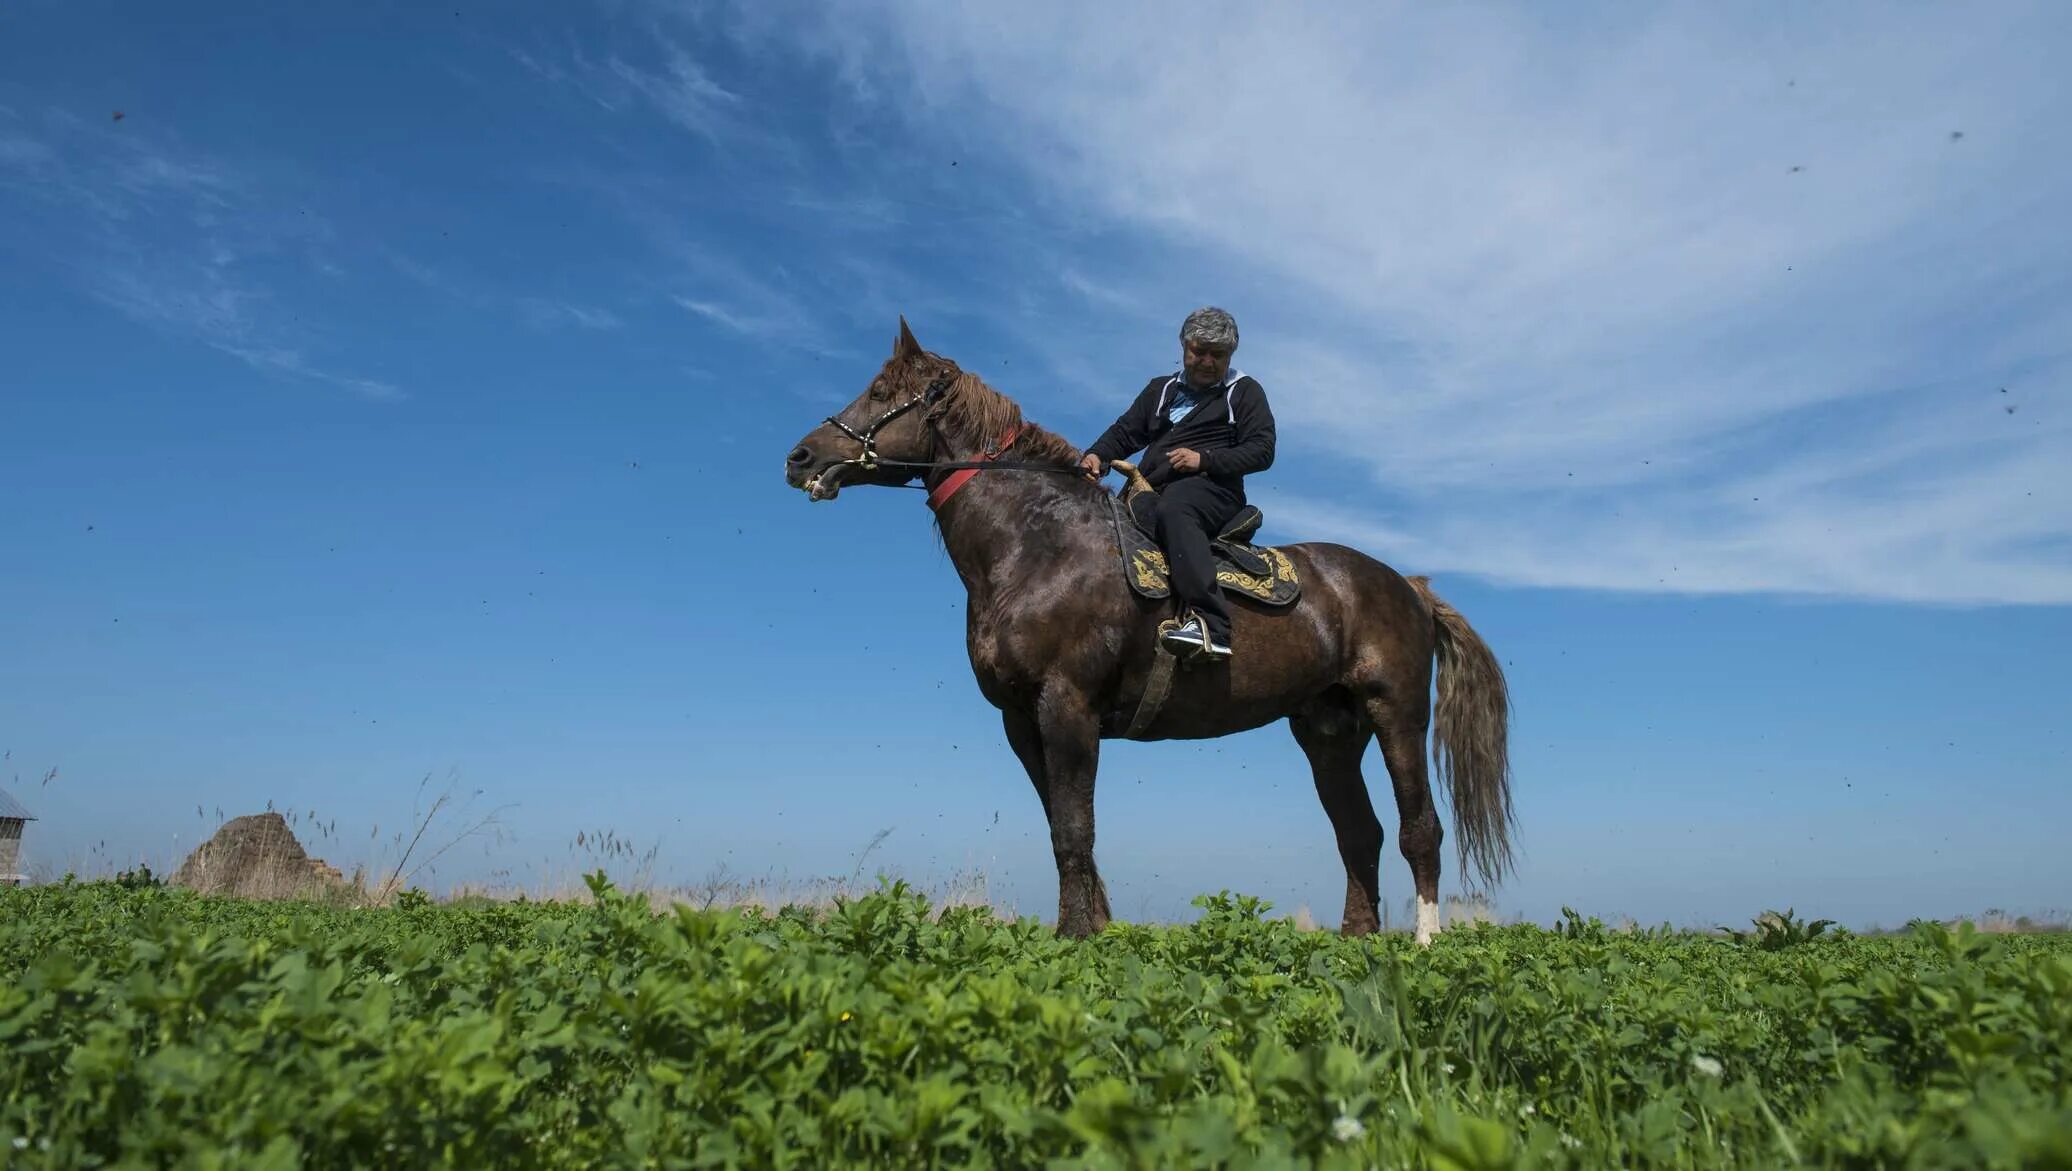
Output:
x=1060 y=746
x=1026 y=738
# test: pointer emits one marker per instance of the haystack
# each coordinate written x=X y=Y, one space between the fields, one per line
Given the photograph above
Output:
x=256 y=857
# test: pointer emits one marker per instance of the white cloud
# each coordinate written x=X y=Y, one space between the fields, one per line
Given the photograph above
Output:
x=724 y=316
x=760 y=312
x=541 y=313
x=291 y=362
x=682 y=92
x=546 y=314
x=436 y=279
x=1099 y=293
x=212 y=308
x=169 y=238
x=1694 y=301
x=679 y=89
x=24 y=155
x=767 y=306
x=578 y=78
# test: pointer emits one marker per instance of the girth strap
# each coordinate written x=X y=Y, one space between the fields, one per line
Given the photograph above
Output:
x=1156 y=688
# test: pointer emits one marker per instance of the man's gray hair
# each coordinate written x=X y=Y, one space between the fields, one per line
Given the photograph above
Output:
x=1210 y=326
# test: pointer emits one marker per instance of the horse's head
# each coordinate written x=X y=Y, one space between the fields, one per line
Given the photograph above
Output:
x=889 y=425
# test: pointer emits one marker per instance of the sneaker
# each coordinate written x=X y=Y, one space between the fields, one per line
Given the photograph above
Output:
x=1185 y=639
x=1214 y=647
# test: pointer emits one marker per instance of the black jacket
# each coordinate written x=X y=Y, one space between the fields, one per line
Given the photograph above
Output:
x=1231 y=428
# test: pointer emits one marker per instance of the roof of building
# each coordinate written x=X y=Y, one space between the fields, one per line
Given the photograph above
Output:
x=11 y=809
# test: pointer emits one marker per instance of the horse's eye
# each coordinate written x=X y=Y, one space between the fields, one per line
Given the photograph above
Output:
x=879 y=390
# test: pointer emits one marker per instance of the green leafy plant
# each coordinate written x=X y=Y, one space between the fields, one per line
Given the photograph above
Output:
x=138 y=878
x=153 y=1028
x=1775 y=930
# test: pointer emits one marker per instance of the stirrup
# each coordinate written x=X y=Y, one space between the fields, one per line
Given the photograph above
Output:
x=1183 y=639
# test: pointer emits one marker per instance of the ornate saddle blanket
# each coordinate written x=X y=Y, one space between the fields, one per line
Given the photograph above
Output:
x=1261 y=573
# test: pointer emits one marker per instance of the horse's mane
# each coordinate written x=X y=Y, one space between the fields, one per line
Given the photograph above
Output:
x=975 y=416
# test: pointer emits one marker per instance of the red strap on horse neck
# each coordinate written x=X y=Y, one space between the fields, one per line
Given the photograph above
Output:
x=962 y=476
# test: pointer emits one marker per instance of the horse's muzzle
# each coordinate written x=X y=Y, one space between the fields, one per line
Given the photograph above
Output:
x=820 y=483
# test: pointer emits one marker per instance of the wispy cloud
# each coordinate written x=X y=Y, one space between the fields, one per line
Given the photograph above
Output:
x=761 y=313
x=208 y=305
x=1100 y=294
x=546 y=314
x=702 y=277
x=172 y=240
x=542 y=313
x=435 y=279
x=291 y=362
x=753 y=327
x=682 y=92
x=578 y=76
x=791 y=222
x=23 y=156
x=677 y=86
x=1689 y=302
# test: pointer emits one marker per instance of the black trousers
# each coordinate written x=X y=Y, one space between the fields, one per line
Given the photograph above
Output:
x=1191 y=510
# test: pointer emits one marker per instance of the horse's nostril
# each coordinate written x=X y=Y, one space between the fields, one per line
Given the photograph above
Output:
x=800 y=455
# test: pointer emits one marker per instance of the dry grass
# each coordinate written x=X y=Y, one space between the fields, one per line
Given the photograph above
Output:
x=441 y=824
x=767 y=893
x=1455 y=911
x=282 y=866
x=1999 y=922
x=277 y=867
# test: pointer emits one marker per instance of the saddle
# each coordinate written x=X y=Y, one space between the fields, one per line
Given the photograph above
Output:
x=1262 y=573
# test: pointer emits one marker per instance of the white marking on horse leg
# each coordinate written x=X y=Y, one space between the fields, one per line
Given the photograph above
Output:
x=1427 y=922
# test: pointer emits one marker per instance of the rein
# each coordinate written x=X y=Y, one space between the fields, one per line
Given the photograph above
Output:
x=869 y=460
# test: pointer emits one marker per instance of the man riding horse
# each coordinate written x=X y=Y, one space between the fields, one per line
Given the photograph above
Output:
x=1064 y=644
x=1203 y=430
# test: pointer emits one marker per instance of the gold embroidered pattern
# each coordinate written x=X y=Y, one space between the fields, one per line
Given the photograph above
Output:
x=1149 y=568
x=1145 y=568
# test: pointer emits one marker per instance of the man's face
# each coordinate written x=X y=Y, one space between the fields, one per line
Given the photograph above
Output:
x=1204 y=364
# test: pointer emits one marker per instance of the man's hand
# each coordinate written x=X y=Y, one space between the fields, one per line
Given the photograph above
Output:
x=1184 y=459
x=1093 y=467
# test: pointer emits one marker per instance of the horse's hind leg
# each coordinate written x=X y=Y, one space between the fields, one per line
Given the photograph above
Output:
x=1334 y=736
x=1401 y=724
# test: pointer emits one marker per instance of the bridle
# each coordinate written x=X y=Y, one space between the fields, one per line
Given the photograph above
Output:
x=869 y=459
x=868 y=437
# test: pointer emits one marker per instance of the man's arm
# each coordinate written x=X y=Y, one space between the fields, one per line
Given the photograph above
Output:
x=1128 y=434
x=1253 y=449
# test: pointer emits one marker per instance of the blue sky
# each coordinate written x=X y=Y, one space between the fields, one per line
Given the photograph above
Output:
x=400 y=391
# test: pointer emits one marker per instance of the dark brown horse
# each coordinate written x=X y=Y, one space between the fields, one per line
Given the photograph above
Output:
x=1064 y=648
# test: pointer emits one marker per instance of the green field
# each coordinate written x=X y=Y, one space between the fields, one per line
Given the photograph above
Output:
x=151 y=1028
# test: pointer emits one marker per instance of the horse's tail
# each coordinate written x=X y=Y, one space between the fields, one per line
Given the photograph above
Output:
x=1470 y=735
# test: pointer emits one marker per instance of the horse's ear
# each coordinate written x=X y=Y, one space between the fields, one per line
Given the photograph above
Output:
x=907 y=347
